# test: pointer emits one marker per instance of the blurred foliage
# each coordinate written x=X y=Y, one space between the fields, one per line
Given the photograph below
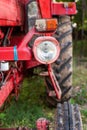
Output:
x=80 y=18
x=30 y=106
x=79 y=82
x=80 y=88
x=64 y=0
x=80 y=48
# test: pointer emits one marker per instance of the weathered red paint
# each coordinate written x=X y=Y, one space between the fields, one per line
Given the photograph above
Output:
x=23 y=51
x=32 y=63
x=7 y=88
x=57 y=8
x=54 y=82
x=7 y=53
x=45 y=8
x=11 y=13
x=27 y=38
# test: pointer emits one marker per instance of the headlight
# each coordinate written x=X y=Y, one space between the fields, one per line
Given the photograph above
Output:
x=46 y=49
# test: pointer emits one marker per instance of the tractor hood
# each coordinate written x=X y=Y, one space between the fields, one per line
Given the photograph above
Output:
x=10 y=13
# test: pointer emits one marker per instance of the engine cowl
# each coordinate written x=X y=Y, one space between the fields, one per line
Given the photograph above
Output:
x=11 y=13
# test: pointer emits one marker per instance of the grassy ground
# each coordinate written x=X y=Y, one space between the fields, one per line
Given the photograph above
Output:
x=32 y=105
x=80 y=89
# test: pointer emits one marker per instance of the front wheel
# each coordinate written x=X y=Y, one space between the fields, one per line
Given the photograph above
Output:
x=68 y=117
x=62 y=68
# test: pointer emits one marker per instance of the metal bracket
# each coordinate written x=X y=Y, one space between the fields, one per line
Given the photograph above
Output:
x=54 y=82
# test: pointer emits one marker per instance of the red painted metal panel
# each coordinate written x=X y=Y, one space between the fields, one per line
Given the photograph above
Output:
x=22 y=50
x=25 y=54
x=7 y=53
x=5 y=91
x=54 y=82
x=32 y=63
x=7 y=88
x=45 y=8
x=58 y=8
x=11 y=13
x=27 y=38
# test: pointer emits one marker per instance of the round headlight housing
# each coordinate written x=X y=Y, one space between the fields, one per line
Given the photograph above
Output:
x=46 y=49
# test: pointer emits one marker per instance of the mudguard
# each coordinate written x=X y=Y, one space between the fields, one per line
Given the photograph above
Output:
x=10 y=13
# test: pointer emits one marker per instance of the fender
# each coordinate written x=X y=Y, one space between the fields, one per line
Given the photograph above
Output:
x=57 y=8
x=45 y=8
x=11 y=13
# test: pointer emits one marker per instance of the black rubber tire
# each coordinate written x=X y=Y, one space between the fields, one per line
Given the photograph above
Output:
x=68 y=117
x=31 y=21
x=63 y=66
x=32 y=18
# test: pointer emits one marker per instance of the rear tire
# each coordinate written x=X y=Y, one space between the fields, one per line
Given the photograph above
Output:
x=63 y=66
x=68 y=117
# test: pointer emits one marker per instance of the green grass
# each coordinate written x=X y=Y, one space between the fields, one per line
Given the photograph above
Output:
x=80 y=90
x=32 y=104
x=80 y=84
x=80 y=48
x=20 y=114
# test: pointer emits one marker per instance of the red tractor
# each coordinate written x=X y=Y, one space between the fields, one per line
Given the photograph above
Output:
x=38 y=33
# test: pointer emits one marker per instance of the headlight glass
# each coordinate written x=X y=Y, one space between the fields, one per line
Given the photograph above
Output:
x=46 y=51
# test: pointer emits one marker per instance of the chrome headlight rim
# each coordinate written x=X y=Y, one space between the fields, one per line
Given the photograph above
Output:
x=39 y=41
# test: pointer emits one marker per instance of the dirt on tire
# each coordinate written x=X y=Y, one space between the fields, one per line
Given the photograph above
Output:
x=63 y=66
x=68 y=117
